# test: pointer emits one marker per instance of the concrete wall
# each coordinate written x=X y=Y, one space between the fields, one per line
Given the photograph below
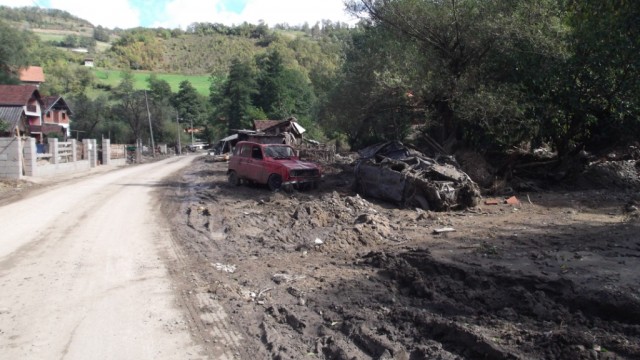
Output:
x=18 y=158
x=118 y=162
x=10 y=158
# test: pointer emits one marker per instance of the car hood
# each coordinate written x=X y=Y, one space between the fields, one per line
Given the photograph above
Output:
x=296 y=164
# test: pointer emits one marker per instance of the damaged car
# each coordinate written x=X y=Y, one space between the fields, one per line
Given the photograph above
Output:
x=396 y=173
x=276 y=165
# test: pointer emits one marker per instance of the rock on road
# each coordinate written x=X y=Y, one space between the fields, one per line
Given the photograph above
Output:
x=82 y=275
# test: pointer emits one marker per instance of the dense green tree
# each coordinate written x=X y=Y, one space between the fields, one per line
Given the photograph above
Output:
x=193 y=109
x=370 y=101
x=101 y=34
x=233 y=99
x=282 y=92
x=189 y=104
x=14 y=45
x=130 y=107
x=450 y=71
x=89 y=115
x=597 y=89
x=64 y=78
x=159 y=89
x=162 y=112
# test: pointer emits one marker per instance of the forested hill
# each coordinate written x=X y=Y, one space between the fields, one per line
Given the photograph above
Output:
x=489 y=75
x=202 y=48
x=39 y=18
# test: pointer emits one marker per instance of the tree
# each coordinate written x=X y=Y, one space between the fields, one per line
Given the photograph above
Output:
x=282 y=92
x=369 y=101
x=189 y=104
x=14 y=52
x=450 y=71
x=234 y=101
x=130 y=106
x=101 y=34
x=597 y=88
x=89 y=114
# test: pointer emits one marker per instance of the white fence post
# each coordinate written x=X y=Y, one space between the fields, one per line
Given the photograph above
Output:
x=74 y=150
x=106 y=152
x=30 y=157
x=54 y=150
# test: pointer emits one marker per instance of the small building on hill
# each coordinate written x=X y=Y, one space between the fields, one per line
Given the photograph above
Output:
x=32 y=75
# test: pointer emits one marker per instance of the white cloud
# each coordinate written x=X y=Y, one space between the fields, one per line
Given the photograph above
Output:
x=17 y=3
x=295 y=12
x=181 y=13
x=110 y=14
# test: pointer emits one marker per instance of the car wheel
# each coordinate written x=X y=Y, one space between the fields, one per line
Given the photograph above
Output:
x=274 y=182
x=233 y=178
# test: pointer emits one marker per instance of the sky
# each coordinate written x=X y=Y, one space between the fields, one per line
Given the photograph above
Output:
x=181 y=13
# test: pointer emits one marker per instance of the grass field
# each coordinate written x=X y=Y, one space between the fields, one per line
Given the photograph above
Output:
x=112 y=77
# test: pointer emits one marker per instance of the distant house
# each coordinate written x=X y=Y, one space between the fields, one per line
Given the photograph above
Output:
x=56 y=115
x=32 y=75
x=289 y=129
x=21 y=110
x=260 y=125
x=88 y=62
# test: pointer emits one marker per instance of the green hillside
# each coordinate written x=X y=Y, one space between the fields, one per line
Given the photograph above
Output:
x=112 y=78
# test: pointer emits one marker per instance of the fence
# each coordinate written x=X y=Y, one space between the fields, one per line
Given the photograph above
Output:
x=317 y=152
x=19 y=157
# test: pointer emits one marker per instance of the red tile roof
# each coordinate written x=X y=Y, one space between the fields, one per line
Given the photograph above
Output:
x=32 y=74
x=17 y=95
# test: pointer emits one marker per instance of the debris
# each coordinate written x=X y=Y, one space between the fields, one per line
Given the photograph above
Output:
x=286 y=278
x=491 y=202
x=393 y=172
x=318 y=241
x=224 y=267
x=443 y=230
x=262 y=292
x=512 y=201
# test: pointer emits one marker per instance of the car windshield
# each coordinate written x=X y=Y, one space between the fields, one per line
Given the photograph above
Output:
x=279 y=152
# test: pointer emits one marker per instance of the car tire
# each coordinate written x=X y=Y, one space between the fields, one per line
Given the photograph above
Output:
x=274 y=182
x=233 y=178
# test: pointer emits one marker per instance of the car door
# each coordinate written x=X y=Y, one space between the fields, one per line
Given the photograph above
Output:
x=256 y=164
x=244 y=158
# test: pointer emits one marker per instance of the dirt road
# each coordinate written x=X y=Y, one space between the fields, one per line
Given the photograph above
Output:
x=83 y=272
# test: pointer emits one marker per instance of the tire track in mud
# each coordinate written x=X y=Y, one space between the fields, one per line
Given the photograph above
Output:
x=456 y=306
x=210 y=323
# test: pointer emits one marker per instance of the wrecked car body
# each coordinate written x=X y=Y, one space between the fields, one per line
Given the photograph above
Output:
x=393 y=172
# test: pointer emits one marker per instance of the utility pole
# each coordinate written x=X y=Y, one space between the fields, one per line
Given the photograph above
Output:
x=191 y=132
x=153 y=145
x=179 y=150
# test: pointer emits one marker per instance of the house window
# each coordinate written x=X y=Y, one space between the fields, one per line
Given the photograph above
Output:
x=48 y=114
x=64 y=116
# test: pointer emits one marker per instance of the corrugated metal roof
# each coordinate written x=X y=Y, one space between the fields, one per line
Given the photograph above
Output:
x=11 y=114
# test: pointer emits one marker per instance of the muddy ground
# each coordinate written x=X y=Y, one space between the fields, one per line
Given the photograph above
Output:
x=327 y=274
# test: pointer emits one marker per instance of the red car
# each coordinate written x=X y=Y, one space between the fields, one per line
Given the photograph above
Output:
x=276 y=165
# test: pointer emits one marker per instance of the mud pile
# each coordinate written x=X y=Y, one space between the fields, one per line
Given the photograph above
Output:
x=329 y=224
